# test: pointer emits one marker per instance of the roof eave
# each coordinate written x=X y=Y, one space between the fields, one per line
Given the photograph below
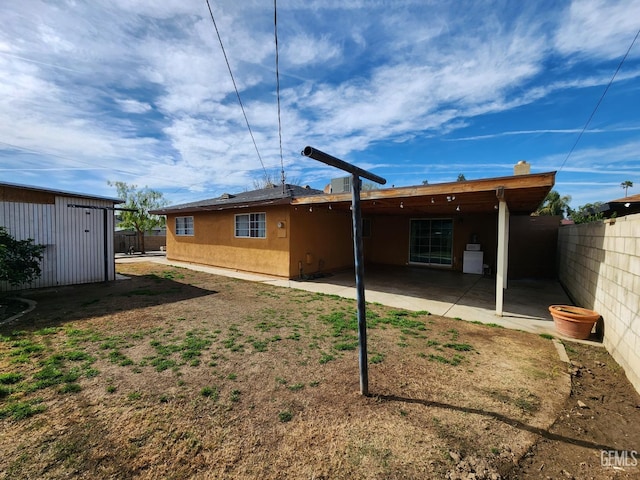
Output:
x=59 y=192
x=487 y=184
x=221 y=207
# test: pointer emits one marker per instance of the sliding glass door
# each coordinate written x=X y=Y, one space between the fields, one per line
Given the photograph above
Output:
x=431 y=241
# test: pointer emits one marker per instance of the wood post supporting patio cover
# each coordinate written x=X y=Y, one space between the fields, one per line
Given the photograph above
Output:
x=356 y=173
x=503 y=251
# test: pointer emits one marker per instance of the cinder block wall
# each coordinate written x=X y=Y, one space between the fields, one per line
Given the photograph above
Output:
x=599 y=265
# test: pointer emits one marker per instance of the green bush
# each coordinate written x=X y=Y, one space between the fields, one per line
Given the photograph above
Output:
x=19 y=259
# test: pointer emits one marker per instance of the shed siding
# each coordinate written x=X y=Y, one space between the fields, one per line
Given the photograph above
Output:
x=80 y=241
x=36 y=221
x=73 y=237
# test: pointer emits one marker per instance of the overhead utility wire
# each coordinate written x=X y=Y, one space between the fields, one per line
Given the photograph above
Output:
x=600 y=101
x=236 y=88
x=275 y=32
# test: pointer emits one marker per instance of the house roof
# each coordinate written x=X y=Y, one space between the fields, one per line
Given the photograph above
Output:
x=621 y=206
x=523 y=194
x=272 y=195
x=628 y=199
x=57 y=192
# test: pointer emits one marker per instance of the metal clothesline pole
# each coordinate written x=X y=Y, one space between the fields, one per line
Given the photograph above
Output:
x=356 y=215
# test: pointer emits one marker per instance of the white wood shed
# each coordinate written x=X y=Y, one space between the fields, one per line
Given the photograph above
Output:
x=76 y=229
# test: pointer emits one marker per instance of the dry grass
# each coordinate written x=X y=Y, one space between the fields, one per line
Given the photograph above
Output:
x=180 y=374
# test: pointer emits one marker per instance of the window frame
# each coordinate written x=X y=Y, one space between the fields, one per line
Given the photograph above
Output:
x=185 y=230
x=255 y=225
x=430 y=250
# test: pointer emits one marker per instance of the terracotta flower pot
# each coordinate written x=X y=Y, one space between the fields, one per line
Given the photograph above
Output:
x=573 y=322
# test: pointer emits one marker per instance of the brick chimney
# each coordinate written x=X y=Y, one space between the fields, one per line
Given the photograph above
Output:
x=522 y=168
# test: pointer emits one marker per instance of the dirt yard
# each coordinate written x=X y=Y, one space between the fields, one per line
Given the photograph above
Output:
x=180 y=374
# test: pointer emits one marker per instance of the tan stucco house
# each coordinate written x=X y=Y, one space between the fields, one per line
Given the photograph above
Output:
x=291 y=231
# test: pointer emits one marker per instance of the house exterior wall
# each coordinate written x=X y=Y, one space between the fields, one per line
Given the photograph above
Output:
x=321 y=240
x=74 y=238
x=315 y=239
x=533 y=244
x=599 y=265
x=389 y=242
x=482 y=226
x=214 y=242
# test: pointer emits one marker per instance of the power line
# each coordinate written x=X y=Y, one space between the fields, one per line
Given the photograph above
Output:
x=599 y=101
x=236 y=88
x=275 y=32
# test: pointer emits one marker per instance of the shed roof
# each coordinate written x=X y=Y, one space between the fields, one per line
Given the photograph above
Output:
x=57 y=192
x=272 y=195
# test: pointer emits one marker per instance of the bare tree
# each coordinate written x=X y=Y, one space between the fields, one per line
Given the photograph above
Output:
x=266 y=181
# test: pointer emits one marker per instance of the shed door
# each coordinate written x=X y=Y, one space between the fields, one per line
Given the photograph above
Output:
x=431 y=241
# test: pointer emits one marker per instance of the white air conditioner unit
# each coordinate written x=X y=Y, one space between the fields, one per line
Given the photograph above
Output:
x=341 y=185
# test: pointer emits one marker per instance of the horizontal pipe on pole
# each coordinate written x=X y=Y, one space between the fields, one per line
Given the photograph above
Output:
x=341 y=164
x=92 y=207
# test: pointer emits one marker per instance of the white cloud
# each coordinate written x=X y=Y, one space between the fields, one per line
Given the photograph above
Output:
x=142 y=88
x=133 y=106
x=304 y=49
x=411 y=97
x=600 y=28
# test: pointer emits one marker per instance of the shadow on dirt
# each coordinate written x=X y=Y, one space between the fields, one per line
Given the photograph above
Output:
x=502 y=418
x=79 y=302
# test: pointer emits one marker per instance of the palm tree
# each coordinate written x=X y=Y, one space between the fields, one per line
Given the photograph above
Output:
x=554 y=204
x=627 y=184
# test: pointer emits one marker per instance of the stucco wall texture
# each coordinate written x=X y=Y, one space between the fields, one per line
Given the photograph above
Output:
x=214 y=242
x=599 y=265
x=306 y=240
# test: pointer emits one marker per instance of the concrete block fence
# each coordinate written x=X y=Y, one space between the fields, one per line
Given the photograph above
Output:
x=599 y=266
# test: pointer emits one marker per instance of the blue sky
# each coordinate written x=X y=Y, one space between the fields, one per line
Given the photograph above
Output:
x=412 y=90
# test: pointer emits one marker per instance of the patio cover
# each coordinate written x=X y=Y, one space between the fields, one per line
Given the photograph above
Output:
x=512 y=195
